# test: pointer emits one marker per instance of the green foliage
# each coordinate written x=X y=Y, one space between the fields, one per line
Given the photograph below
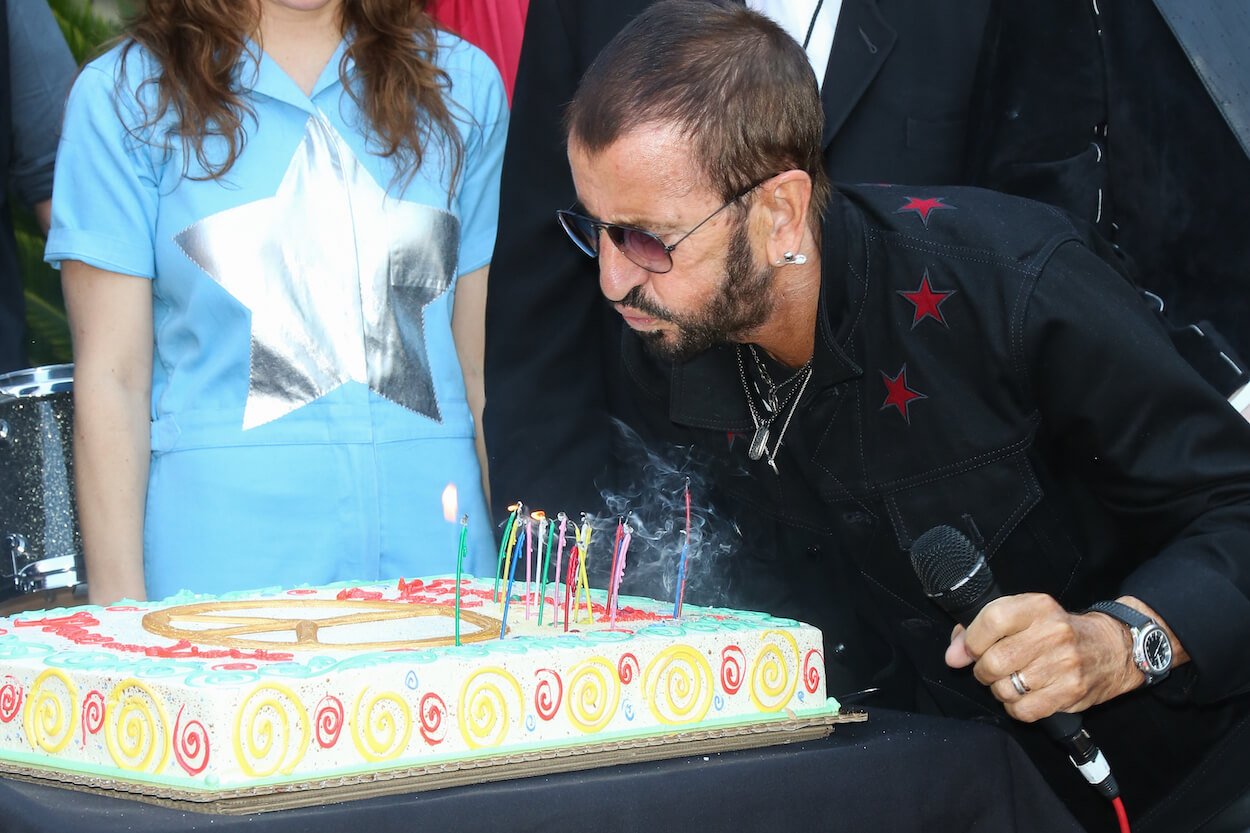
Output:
x=47 y=331
x=84 y=30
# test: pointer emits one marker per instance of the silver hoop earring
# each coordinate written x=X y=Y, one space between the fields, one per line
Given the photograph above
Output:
x=792 y=259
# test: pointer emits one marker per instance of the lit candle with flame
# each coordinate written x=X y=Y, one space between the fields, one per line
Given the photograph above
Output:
x=505 y=544
x=512 y=539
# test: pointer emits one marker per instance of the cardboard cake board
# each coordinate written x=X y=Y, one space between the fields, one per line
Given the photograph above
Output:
x=288 y=796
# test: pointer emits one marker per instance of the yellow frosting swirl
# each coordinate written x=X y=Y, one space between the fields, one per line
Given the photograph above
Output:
x=51 y=711
x=594 y=691
x=678 y=685
x=485 y=712
x=136 y=729
x=775 y=671
x=271 y=730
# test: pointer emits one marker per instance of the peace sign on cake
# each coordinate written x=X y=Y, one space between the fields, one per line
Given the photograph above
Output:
x=319 y=624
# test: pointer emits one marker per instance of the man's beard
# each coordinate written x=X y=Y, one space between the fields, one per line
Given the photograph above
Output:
x=742 y=303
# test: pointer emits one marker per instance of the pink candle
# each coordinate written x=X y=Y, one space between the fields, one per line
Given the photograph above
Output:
x=616 y=579
x=529 y=561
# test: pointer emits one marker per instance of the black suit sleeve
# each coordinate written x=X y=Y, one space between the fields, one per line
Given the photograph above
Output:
x=1159 y=449
x=547 y=367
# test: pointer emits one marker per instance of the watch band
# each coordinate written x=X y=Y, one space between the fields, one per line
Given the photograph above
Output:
x=1130 y=616
x=1139 y=624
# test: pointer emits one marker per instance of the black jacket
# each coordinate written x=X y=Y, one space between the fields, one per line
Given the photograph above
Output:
x=1034 y=401
x=902 y=103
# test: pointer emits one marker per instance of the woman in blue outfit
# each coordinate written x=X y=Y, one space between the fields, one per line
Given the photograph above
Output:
x=274 y=220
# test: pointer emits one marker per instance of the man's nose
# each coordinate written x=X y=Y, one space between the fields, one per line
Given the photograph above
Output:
x=617 y=273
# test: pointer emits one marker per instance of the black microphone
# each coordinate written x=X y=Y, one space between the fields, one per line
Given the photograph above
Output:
x=956 y=575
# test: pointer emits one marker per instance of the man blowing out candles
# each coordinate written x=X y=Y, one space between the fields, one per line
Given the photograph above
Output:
x=888 y=359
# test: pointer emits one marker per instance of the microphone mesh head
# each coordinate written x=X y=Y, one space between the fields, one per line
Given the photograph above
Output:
x=943 y=557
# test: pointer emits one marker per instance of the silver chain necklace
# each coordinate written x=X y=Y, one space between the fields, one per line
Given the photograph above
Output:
x=772 y=402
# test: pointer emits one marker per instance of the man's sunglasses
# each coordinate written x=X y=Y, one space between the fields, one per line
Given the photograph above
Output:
x=643 y=248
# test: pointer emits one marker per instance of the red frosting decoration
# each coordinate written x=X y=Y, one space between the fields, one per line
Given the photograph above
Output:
x=190 y=745
x=627 y=668
x=359 y=593
x=73 y=629
x=10 y=700
x=546 y=705
x=329 y=720
x=433 y=711
x=92 y=714
x=731 y=665
x=811 y=674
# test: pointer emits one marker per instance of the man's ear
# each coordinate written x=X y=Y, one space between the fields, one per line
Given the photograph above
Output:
x=787 y=197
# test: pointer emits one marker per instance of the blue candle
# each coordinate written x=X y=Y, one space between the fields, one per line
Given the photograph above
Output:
x=507 y=596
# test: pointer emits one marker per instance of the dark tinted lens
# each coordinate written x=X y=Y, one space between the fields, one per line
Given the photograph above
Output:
x=581 y=231
x=642 y=248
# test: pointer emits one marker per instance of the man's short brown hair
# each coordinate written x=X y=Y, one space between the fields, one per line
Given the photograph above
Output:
x=730 y=80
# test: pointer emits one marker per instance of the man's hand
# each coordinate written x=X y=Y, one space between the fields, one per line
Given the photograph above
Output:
x=1067 y=662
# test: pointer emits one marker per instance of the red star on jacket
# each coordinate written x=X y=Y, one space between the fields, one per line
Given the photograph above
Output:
x=923 y=206
x=927 y=300
x=898 y=394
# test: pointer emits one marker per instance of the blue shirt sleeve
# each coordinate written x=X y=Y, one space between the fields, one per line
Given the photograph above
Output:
x=478 y=186
x=106 y=191
x=41 y=70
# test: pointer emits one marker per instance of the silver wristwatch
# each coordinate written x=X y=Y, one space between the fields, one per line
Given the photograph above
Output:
x=1152 y=649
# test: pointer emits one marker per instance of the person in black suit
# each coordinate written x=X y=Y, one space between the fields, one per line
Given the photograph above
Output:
x=904 y=101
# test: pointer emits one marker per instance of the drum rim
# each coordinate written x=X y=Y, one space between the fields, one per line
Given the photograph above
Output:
x=36 y=381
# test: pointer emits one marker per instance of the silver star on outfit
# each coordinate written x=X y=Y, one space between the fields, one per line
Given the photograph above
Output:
x=337 y=276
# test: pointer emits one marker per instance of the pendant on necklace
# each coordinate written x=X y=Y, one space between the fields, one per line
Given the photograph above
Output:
x=758 y=442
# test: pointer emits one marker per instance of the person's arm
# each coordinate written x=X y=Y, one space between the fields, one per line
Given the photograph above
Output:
x=43 y=215
x=111 y=325
x=468 y=328
x=1167 y=457
x=41 y=70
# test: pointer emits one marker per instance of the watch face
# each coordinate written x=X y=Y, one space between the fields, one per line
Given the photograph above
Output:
x=1157 y=649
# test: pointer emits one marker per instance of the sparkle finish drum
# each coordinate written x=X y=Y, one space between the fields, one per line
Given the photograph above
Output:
x=40 y=545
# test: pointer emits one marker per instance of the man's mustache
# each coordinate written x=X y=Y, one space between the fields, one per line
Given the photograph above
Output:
x=634 y=299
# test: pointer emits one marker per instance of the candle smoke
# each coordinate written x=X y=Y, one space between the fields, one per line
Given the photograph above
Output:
x=652 y=499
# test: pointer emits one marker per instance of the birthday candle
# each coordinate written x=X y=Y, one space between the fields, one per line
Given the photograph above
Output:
x=507 y=596
x=529 y=562
x=681 y=574
x=616 y=578
x=545 y=560
x=460 y=551
x=505 y=544
x=616 y=554
x=582 y=559
x=569 y=586
x=564 y=519
x=681 y=564
x=512 y=539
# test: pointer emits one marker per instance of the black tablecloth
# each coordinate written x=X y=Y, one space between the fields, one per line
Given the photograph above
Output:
x=895 y=773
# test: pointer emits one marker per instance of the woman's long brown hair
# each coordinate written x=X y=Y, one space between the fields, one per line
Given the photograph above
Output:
x=197 y=44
